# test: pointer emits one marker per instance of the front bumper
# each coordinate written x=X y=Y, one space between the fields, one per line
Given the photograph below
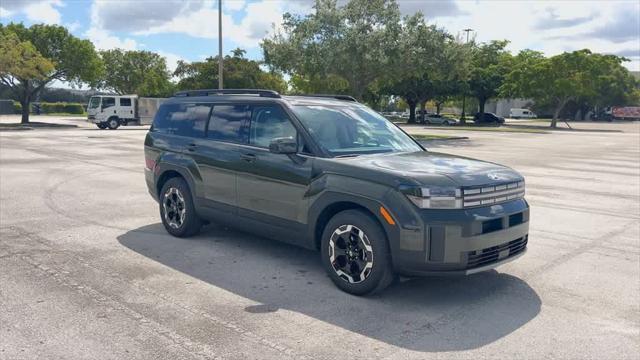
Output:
x=461 y=242
x=92 y=119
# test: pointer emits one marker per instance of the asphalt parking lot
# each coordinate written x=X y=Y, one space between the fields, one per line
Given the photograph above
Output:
x=88 y=272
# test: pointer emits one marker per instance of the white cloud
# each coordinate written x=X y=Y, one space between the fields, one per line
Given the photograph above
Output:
x=37 y=11
x=102 y=39
x=172 y=60
x=551 y=27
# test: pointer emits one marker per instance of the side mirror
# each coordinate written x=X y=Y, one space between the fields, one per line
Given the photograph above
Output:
x=283 y=145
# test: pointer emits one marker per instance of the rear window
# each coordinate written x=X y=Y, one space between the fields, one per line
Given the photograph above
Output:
x=182 y=119
x=125 y=102
x=229 y=123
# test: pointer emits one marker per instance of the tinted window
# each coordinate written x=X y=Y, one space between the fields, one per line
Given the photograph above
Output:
x=125 y=102
x=228 y=123
x=182 y=119
x=268 y=123
x=108 y=101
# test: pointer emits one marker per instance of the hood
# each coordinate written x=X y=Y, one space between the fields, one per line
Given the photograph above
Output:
x=423 y=166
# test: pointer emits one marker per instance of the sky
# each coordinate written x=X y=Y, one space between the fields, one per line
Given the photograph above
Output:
x=187 y=30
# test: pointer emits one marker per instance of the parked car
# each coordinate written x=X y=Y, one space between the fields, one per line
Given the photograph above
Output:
x=522 y=114
x=439 y=119
x=328 y=173
x=488 y=118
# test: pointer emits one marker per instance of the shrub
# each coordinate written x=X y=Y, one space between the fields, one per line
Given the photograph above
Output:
x=60 y=107
x=17 y=108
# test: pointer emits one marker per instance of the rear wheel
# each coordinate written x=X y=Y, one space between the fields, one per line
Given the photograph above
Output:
x=177 y=209
x=113 y=123
x=355 y=253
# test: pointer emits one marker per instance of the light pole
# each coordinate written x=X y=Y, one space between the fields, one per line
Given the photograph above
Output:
x=220 y=67
x=462 y=117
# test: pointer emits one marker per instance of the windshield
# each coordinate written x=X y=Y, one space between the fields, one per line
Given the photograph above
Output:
x=94 y=102
x=353 y=130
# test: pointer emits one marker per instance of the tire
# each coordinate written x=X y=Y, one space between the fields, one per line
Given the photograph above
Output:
x=372 y=272
x=113 y=123
x=101 y=126
x=177 y=210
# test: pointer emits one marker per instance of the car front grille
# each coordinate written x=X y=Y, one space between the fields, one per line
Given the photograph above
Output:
x=497 y=253
x=493 y=194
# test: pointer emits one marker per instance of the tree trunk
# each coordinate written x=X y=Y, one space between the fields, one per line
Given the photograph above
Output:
x=481 y=104
x=556 y=113
x=25 y=111
x=423 y=108
x=412 y=111
x=438 y=108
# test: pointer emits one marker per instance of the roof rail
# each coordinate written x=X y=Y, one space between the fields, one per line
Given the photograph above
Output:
x=212 y=92
x=334 y=96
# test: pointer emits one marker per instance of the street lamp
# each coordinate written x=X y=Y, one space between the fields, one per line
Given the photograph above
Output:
x=462 y=117
x=220 y=67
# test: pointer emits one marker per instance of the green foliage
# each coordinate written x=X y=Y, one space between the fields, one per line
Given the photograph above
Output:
x=58 y=55
x=335 y=46
x=490 y=63
x=61 y=107
x=239 y=73
x=20 y=60
x=430 y=65
x=580 y=76
x=17 y=108
x=136 y=72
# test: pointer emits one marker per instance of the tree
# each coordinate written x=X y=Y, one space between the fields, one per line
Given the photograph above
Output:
x=579 y=76
x=136 y=72
x=239 y=73
x=424 y=64
x=490 y=63
x=58 y=55
x=352 y=44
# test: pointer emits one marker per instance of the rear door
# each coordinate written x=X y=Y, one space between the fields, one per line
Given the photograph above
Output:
x=125 y=110
x=218 y=154
x=271 y=187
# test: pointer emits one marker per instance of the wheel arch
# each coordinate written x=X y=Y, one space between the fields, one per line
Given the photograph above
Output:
x=336 y=203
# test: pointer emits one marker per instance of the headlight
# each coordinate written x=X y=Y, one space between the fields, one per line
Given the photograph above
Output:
x=434 y=197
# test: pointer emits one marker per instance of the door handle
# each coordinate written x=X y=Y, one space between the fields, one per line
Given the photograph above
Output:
x=192 y=147
x=248 y=157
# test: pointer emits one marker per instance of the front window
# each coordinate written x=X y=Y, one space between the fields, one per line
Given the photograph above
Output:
x=353 y=129
x=94 y=102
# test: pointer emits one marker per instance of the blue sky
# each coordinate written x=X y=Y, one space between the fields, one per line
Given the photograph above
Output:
x=187 y=30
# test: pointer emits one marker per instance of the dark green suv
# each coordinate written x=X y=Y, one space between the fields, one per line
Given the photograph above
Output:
x=326 y=172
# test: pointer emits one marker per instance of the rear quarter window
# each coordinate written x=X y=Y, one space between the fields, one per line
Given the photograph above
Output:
x=182 y=119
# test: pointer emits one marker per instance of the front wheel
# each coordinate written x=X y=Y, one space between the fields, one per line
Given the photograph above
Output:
x=177 y=209
x=355 y=253
x=101 y=126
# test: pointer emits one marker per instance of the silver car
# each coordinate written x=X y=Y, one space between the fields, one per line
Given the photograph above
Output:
x=439 y=119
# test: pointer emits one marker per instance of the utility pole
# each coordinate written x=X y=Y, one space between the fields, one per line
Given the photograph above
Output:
x=220 y=66
x=462 y=117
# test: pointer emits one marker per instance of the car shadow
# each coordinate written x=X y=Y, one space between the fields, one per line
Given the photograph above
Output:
x=426 y=314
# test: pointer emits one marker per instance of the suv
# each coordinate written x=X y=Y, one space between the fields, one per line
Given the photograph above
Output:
x=328 y=173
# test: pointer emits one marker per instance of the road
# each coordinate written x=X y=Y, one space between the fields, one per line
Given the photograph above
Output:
x=88 y=272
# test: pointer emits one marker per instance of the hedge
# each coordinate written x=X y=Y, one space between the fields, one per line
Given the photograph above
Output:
x=50 y=108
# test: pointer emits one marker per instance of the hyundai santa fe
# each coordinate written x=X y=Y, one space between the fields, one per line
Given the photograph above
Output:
x=328 y=173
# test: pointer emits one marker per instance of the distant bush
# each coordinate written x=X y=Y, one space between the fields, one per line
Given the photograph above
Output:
x=59 y=107
x=17 y=108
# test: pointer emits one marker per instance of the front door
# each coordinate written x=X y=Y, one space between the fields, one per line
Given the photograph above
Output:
x=271 y=187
